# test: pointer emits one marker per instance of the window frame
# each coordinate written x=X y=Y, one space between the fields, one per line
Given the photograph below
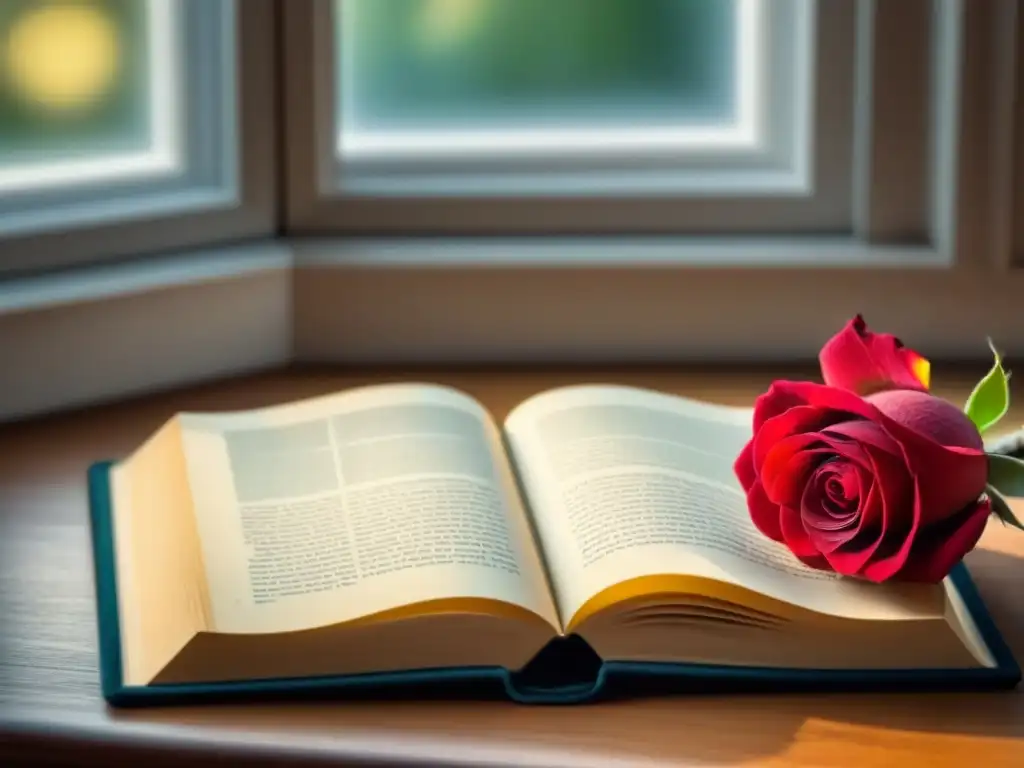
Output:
x=671 y=299
x=317 y=203
x=931 y=268
x=900 y=143
x=1008 y=145
x=227 y=190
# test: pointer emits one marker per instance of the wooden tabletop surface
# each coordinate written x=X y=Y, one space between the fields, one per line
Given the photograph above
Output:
x=51 y=709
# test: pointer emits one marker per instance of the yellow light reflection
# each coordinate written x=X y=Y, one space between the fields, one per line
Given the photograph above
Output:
x=448 y=22
x=62 y=57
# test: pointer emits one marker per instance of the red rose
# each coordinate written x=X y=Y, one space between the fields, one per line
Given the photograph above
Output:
x=883 y=487
x=864 y=362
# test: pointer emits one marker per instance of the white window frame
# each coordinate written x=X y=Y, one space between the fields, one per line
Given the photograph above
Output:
x=884 y=141
x=765 y=150
x=774 y=190
x=226 y=188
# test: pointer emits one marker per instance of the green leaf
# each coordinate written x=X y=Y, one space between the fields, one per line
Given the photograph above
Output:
x=990 y=399
x=1002 y=508
x=1006 y=474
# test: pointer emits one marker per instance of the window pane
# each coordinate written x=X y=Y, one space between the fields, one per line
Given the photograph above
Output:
x=486 y=65
x=85 y=89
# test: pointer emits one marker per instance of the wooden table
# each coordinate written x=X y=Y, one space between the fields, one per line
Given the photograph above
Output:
x=51 y=710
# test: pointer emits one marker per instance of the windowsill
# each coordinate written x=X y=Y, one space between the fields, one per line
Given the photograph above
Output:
x=108 y=281
x=75 y=338
x=615 y=251
x=78 y=337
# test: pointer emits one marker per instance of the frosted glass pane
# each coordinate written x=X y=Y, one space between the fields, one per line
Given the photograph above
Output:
x=461 y=64
x=74 y=79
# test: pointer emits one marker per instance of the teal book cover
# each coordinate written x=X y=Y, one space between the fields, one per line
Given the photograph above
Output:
x=567 y=671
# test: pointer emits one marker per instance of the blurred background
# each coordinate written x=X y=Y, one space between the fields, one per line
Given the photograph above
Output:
x=657 y=180
x=459 y=63
x=75 y=79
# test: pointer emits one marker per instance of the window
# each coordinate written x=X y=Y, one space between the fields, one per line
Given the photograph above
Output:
x=604 y=114
x=122 y=119
x=470 y=180
x=431 y=225
x=580 y=83
x=90 y=94
x=151 y=125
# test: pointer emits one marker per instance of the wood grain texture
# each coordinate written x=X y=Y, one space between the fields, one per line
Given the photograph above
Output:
x=51 y=710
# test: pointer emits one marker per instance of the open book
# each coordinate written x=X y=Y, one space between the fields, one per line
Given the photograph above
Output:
x=398 y=527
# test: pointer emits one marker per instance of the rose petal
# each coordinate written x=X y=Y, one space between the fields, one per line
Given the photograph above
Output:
x=830 y=525
x=845 y=487
x=825 y=519
x=822 y=396
x=795 y=535
x=828 y=542
x=895 y=544
x=886 y=514
x=929 y=416
x=795 y=421
x=789 y=467
x=955 y=476
x=795 y=538
x=948 y=477
x=778 y=399
x=830 y=499
x=744 y=466
x=763 y=512
x=849 y=556
x=867 y=432
x=847 y=450
x=951 y=476
x=937 y=550
x=919 y=366
x=858 y=360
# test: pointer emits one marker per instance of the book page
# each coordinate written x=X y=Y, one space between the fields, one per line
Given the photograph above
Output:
x=625 y=483
x=340 y=507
